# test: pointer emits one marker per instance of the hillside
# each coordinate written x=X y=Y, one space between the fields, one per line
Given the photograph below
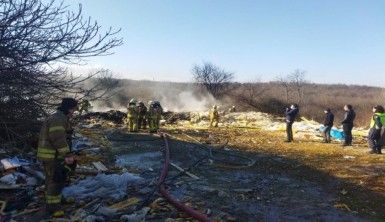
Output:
x=266 y=97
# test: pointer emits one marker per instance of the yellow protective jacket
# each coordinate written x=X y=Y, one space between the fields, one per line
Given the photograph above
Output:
x=132 y=111
x=378 y=120
x=53 y=137
x=152 y=113
x=214 y=114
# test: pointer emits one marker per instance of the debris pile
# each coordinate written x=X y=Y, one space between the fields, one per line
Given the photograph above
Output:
x=305 y=128
x=111 y=187
x=173 y=117
x=117 y=177
x=114 y=116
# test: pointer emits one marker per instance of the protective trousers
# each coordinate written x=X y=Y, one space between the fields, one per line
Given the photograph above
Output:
x=152 y=124
x=214 y=122
x=54 y=184
x=142 y=123
x=132 y=124
x=157 y=123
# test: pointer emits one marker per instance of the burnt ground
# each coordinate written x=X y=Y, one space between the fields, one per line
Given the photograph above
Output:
x=275 y=188
x=244 y=175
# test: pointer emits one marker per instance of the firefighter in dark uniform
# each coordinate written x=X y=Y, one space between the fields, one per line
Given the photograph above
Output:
x=328 y=123
x=290 y=113
x=347 y=124
x=142 y=111
x=376 y=123
x=55 y=153
x=152 y=117
x=159 y=113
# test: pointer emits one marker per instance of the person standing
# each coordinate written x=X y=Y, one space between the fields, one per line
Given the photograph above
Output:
x=132 y=116
x=142 y=110
x=328 y=123
x=376 y=123
x=214 y=116
x=159 y=113
x=152 y=117
x=85 y=106
x=347 y=124
x=54 y=151
x=290 y=113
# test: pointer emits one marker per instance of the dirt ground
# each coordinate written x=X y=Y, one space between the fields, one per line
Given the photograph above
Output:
x=244 y=174
x=302 y=181
x=252 y=175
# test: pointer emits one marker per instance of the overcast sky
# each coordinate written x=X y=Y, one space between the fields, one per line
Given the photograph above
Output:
x=334 y=41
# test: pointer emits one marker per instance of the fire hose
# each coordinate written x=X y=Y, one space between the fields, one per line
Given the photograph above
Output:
x=162 y=189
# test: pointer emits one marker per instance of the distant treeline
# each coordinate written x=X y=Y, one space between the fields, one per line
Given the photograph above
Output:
x=270 y=97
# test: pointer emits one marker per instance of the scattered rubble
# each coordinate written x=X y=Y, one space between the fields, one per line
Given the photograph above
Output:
x=112 y=115
x=117 y=175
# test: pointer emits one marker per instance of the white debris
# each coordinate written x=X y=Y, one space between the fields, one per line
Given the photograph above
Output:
x=11 y=163
x=138 y=216
x=305 y=128
x=349 y=157
x=18 y=178
x=104 y=186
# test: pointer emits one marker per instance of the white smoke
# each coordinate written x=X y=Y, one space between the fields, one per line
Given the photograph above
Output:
x=177 y=97
x=187 y=101
x=100 y=106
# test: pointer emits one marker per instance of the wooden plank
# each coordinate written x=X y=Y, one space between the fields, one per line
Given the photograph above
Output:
x=10 y=187
x=100 y=166
x=184 y=171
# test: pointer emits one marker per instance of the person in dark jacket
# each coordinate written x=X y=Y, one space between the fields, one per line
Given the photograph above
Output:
x=328 y=123
x=347 y=124
x=290 y=113
x=376 y=123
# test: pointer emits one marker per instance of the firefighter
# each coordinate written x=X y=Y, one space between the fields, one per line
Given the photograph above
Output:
x=159 y=112
x=214 y=116
x=142 y=111
x=152 y=117
x=55 y=153
x=376 y=123
x=85 y=105
x=232 y=109
x=132 y=116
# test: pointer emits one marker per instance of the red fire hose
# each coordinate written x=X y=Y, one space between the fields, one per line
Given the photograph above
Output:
x=180 y=206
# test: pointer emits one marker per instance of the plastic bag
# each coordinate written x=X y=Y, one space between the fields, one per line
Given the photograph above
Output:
x=334 y=133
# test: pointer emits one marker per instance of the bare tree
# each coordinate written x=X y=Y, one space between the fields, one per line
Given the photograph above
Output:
x=297 y=82
x=36 y=36
x=215 y=79
x=252 y=93
x=284 y=82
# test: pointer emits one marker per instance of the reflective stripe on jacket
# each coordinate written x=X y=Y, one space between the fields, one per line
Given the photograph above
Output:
x=53 y=137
